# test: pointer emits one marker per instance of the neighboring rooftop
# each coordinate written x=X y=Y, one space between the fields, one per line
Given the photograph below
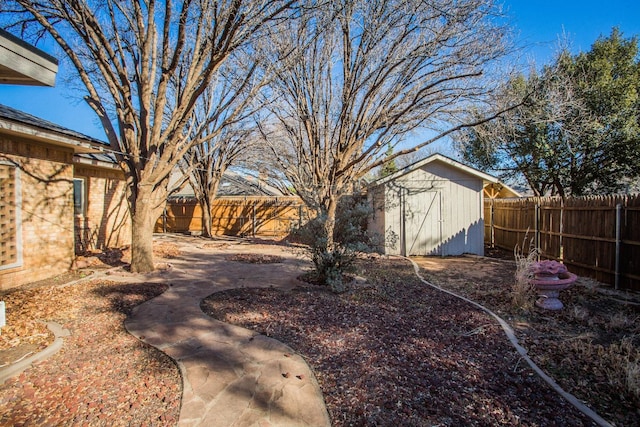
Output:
x=233 y=184
x=24 y=64
x=236 y=184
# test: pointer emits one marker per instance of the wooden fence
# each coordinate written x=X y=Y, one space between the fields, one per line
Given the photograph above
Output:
x=235 y=216
x=595 y=236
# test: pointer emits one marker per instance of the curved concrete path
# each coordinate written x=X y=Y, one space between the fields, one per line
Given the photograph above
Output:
x=18 y=367
x=231 y=376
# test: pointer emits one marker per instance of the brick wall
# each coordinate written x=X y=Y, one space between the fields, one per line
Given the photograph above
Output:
x=106 y=222
x=9 y=233
x=45 y=202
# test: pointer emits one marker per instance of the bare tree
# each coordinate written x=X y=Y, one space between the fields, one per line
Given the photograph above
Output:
x=412 y=157
x=221 y=124
x=126 y=54
x=355 y=76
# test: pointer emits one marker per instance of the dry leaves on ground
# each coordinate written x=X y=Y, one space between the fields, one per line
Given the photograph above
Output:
x=102 y=375
x=25 y=332
x=396 y=352
x=255 y=258
x=591 y=347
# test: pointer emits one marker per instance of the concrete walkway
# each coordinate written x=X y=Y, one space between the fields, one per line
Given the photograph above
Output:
x=232 y=376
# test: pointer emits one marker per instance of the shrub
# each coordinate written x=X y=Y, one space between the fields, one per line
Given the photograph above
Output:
x=522 y=290
x=350 y=238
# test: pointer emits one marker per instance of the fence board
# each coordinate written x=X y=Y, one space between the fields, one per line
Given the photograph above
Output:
x=581 y=232
x=236 y=216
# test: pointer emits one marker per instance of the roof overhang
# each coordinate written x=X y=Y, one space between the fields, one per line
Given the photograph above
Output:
x=91 y=160
x=500 y=190
x=24 y=64
x=78 y=145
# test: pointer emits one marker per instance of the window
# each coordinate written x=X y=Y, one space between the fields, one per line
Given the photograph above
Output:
x=10 y=221
x=78 y=196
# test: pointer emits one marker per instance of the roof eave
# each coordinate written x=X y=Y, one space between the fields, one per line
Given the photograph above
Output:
x=24 y=64
x=97 y=163
x=77 y=144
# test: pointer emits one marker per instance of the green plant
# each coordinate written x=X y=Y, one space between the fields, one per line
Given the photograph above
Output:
x=332 y=264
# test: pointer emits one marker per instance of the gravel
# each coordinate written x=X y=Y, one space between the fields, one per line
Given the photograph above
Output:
x=395 y=352
x=102 y=376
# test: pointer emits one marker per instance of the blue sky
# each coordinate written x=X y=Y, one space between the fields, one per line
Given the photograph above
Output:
x=538 y=25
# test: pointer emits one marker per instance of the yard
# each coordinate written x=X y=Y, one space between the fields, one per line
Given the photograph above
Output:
x=392 y=351
x=395 y=352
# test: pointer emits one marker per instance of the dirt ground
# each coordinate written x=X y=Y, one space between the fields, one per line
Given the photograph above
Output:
x=591 y=347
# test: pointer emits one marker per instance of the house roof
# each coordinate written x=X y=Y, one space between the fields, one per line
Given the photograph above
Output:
x=486 y=178
x=19 y=123
x=232 y=184
x=235 y=184
x=104 y=160
x=24 y=64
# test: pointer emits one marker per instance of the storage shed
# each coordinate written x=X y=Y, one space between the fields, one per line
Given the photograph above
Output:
x=433 y=207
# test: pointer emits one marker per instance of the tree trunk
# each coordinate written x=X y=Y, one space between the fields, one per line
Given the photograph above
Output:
x=141 y=243
x=330 y=223
x=145 y=210
x=207 y=197
x=206 y=218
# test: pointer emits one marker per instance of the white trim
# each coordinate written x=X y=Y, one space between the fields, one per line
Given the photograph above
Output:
x=94 y=162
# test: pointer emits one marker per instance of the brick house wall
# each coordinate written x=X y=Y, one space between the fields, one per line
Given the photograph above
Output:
x=105 y=221
x=37 y=225
x=42 y=227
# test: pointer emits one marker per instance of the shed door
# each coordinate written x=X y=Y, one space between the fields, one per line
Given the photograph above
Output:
x=422 y=224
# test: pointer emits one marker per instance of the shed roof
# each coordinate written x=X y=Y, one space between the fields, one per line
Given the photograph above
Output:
x=19 y=123
x=24 y=64
x=486 y=178
x=500 y=190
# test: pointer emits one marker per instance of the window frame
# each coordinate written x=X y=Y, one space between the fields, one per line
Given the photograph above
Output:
x=82 y=211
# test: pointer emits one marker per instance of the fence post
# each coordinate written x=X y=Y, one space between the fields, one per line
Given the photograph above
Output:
x=253 y=218
x=618 y=225
x=561 y=248
x=164 y=221
x=492 y=230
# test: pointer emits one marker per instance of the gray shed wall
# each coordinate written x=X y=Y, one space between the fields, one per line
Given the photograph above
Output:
x=434 y=210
